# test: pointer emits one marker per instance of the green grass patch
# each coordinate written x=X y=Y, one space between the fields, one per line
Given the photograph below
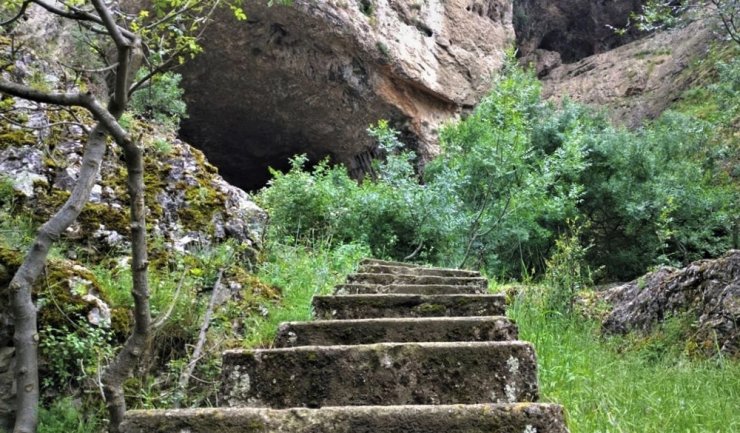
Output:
x=608 y=388
x=300 y=271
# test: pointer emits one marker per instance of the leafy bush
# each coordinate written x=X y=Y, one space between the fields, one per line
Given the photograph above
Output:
x=393 y=214
x=514 y=172
x=73 y=355
x=161 y=100
x=506 y=192
x=64 y=416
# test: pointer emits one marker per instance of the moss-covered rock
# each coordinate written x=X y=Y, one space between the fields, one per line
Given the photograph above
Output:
x=703 y=299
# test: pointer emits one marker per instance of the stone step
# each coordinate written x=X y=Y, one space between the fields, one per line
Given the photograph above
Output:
x=411 y=289
x=371 y=262
x=379 y=306
x=387 y=279
x=479 y=418
x=395 y=270
x=371 y=331
x=381 y=374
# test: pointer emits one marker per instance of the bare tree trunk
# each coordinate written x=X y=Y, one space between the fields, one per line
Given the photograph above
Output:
x=123 y=366
x=25 y=335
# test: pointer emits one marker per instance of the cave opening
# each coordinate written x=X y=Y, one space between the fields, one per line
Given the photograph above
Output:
x=245 y=151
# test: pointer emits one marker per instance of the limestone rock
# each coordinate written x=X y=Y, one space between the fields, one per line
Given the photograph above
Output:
x=310 y=78
x=185 y=194
x=709 y=290
x=636 y=81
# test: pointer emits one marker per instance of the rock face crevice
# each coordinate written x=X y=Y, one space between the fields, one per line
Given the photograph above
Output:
x=310 y=78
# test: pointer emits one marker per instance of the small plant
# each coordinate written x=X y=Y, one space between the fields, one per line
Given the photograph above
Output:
x=7 y=193
x=567 y=272
x=383 y=48
x=73 y=355
x=162 y=146
x=66 y=416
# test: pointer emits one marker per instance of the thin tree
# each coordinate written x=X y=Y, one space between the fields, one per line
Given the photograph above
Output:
x=172 y=32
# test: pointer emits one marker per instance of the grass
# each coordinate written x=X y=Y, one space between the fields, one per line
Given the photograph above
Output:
x=300 y=272
x=606 y=388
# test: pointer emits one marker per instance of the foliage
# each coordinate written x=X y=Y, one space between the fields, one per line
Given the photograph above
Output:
x=661 y=14
x=161 y=101
x=606 y=385
x=506 y=191
x=515 y=171
x=391 y=213
x=72 y=355
x=650 y=197
x=567 y=272
x=300 y=271
x=65 y=416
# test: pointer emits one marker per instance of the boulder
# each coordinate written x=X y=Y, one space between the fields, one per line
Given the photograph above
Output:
x=707 y=290
x=310 y=78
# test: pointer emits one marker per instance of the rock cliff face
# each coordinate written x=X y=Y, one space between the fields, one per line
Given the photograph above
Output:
x=636 y=81
x=310 y=78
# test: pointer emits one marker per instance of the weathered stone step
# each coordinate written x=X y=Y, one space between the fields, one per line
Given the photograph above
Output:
x=479 y=418
x=387 y=263
x=395 y=269
x=386 y=279
x=381 y=374
x=410 y=289
x=379 y=306
x=370 y=331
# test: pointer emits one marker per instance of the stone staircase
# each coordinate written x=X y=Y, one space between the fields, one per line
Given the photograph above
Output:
x=397 y=349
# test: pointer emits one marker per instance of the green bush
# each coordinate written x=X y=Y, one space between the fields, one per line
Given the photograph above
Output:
x=514 y=172
x=65 y=416
x=507 y=193
x=393 y=214
x=161 y=100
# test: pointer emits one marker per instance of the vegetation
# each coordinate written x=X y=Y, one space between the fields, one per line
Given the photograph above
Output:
x=634 y=385
x=159 y=39
x=518 y=174
x=660 y=14
x=552 y=196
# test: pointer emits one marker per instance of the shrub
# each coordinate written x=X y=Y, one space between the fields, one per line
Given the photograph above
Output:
x=161 y=100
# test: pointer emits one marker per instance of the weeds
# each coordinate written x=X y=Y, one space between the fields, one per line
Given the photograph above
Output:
x=608 y=387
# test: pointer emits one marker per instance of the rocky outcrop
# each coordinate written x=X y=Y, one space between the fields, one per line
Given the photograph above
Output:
x=707 y=290
x=636 y=81
x=572 y=29
x=188 y=202
x=310 y=78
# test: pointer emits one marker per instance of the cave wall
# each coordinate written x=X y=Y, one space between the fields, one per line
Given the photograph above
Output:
x=551 y=32
x=310 y=78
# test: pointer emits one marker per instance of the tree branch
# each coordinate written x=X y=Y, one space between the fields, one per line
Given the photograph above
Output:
x=20 y=13
x=25 y=336
x=113 y=29
x=182 y=383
